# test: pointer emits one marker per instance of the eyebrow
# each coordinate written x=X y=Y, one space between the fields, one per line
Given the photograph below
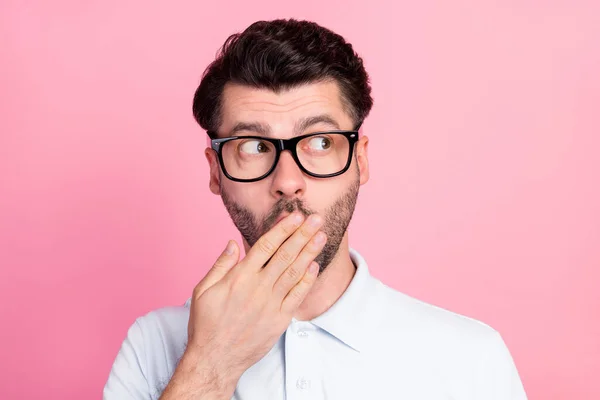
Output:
x=306 y=123
x=257 y=127
x=299 y=127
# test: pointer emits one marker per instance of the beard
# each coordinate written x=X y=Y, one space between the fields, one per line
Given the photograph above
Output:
x=336 y=219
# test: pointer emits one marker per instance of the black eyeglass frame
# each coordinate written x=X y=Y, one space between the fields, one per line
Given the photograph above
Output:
x=285 y=144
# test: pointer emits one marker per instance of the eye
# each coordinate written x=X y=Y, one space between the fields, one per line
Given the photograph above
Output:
x=319 y=143
x=254 y=146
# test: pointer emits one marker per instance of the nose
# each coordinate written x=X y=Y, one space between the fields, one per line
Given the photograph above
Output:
x=288 y=180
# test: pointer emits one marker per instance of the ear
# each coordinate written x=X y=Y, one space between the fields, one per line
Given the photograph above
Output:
x=362 y=156
x=214 y=182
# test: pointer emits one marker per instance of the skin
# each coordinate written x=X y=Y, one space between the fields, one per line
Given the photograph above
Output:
x=288 y=186
x=241 y=307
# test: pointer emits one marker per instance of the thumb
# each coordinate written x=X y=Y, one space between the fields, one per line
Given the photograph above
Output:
x=227 y=260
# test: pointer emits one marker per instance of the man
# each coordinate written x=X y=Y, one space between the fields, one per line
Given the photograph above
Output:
x=299 y=317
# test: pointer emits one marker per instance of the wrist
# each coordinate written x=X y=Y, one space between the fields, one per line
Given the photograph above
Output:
x=208 y=373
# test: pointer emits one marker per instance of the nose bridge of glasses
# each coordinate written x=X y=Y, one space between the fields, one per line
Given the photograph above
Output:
x=286 y=144
x=290 y=146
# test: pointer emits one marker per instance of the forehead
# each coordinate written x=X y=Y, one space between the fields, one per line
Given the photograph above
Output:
x=281 y=111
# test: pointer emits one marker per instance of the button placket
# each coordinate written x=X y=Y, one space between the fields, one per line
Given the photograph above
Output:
x=303 y=383
x=302 y=333
x=302 y=362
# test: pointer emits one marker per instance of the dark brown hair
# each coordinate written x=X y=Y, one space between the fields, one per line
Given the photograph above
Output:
x=280 y=55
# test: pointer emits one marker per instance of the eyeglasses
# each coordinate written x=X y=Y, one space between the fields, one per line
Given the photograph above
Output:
x=252 y=158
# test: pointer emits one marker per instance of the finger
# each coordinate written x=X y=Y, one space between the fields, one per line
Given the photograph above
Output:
x=294 y=273
x=296 y=296
x=291 y=248
x=267 y=244
x=226 y=261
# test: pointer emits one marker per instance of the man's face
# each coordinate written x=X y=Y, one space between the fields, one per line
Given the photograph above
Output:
x=256 y=206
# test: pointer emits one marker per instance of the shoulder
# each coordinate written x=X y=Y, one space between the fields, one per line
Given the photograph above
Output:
x=465 y=354
x=435 y=330
x=404 y=309
x=163 y=333
x=148 y=354
x=170 y=321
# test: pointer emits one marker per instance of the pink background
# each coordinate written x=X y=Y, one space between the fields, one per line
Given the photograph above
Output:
x=484 y=195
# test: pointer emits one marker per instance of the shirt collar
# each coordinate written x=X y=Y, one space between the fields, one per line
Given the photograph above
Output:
x=350 y=317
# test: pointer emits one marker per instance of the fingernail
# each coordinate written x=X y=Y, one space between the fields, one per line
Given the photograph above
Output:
x=229 y=248
x=319 y=238
x=315 y=220
x=314 y=268
x=298 y=218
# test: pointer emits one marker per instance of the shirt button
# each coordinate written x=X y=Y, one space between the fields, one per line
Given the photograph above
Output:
x=302 y=333
x=303 y=384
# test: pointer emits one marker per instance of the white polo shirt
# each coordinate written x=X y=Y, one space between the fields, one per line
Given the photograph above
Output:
x=373 y=343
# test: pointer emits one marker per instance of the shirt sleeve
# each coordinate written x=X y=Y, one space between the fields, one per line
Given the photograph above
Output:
x=498 y=376
x=127 y=379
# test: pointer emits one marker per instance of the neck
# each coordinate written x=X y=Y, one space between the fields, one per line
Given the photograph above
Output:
x=330 y=284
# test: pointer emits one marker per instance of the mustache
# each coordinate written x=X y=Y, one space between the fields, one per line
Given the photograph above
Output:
x=285 y=205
